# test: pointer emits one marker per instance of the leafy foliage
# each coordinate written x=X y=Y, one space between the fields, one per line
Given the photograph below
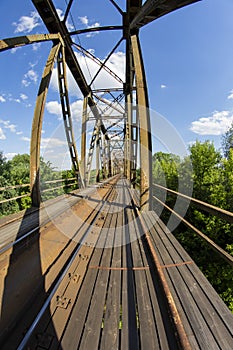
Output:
x=227 y=141
x=16 y=172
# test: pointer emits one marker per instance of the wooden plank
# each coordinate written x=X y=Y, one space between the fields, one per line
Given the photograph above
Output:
x=129 y=333
x=73 y=333
x=110 y=336
x=76 y=326
x=93 y=324
x=146 y=322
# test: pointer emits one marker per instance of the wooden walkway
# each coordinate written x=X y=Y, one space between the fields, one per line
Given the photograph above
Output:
x=112 y=295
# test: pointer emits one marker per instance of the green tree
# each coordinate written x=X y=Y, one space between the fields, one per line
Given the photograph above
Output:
x=165 y=169
x=207 y=173
x=227 y=141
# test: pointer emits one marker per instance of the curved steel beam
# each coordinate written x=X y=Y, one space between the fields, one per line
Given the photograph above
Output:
x=144 y=126
x=95 y=29
x=10 y=43
x=83 y=142
x=153 y=9
x=37 y=126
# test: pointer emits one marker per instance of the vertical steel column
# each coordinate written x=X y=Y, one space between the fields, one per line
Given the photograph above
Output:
x=144 y=126
x=134 y=142
x=109 y=159
x=37 y=126
x=102 y=155
x=128 y=137
x=98 y=154
x=90 y=152
x=83 y=141
x=65 y=104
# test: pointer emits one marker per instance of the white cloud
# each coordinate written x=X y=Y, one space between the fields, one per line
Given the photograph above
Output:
x=9 y=156
x=53 y=142
x=12 y=99
x=54 y=107
x=216 y=124
x=48 y=143
x=2 y=99
x=117 y=64
x=230 y=96
x=84 y=20
x=23 y=97
x=30 y=76
x=162 y=86
x=76 y=109
x=19 y=133
x=7 y=125
x=27 y=23
x=27 y=139
x=2 y=135
x=36 y=46
x=14 y=49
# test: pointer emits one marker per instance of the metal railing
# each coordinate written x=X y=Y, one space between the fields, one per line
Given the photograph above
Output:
x=43 y=190
x=218 y=212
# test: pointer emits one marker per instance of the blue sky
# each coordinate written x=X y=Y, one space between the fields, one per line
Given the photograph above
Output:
x=188 y=57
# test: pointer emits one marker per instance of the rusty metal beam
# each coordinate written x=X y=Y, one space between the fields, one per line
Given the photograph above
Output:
x=153 y=9
x=37 y=126
x=144 y=126
x=83 y=141
x=10 y=43
x=95 y=29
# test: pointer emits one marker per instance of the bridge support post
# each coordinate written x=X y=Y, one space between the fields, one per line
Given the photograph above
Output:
x=98 y=153
x=83 y=141
x=109 y=160
x=128 y=137
x=37 y=127
x=144 y=126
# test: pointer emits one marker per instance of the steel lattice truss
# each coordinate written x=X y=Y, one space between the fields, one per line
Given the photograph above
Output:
x=120 y=115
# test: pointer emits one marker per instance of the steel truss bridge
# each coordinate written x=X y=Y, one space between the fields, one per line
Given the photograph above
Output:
x=118 y=279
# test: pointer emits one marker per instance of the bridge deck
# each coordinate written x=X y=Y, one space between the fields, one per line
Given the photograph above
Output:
x=111 y=296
